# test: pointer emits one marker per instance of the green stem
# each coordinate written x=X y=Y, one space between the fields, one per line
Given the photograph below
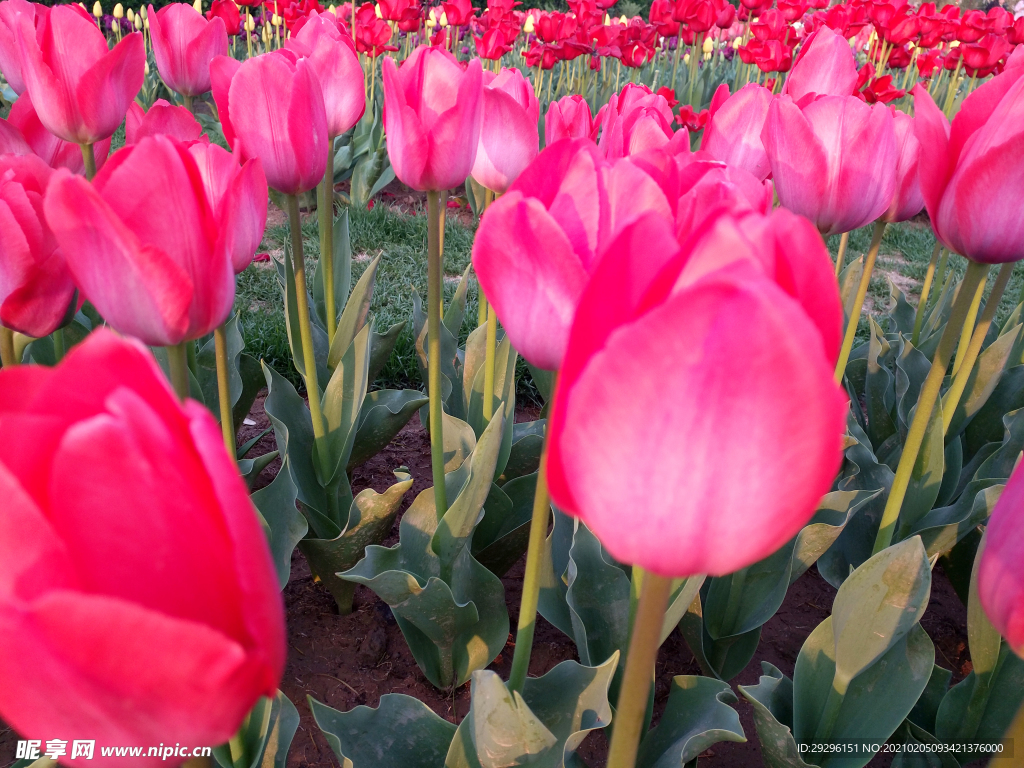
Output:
x=58 y=345
x=830 y=713
x=481 y=307
x=926 y=290
x=7 y=347
x=531 y=579
x=435 y=287
x=186 y=101
x=639 y=672
x=325 y=220
x=177 y=359
x=858 y=303
x=227 y=425
x=940 y=273
x=840 y=257
x=925 y=404
x=732 y=608
x=489 y=353
x=89 y=158
x=305 y=333
x=193 y=362
x=956 y=390
x=237 y=747
x=968 y=329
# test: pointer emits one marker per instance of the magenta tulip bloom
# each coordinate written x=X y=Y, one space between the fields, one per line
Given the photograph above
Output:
x=825 y=67
x=833 y=161
x=238 y=196
x=142 y=590
x=569 y=118
x=53 y=151
x=222 y=71
x=277 y=114
x=537 y=244
x=695 y=482
x=184 y=44
x=36 y=289
x=146 y=245
x=635 y=120
x=509 y=138
x=433 y=111
x=733 y=130
x=10 y=54
x=80 y=89
x=908 y=199
x=162 y=118
x=972 y=176
x=337 y=67
x=1001 y=573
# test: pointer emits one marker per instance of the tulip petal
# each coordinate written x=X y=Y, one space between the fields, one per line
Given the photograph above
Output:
x=38 y=306
x=733 y=132
x=222 y=70
x=105 y=91
x=11 y=140
x=932 y=130
x=798 y=160
x=1000 y=575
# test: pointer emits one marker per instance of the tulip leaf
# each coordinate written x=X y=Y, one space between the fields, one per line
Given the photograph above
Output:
x=265 y=735
x=402 y=733
x=543 y=380
x=911 y=370
x=698 y=715
x=552 y=604
x=455 y=315
x=524 y=452
x=276 y=504
x=943 y=527
x=286 y=279
x=901 y=313
x=368 y=171
x=355 y=315
x=984 y=378
x=982 y=638
x=987 y=424
x=503 y=398
x=206 y=372
x=849 y=279
x=926 y=477
x=382 y=346
x=250 y=469
x=251 y=373
x=772 y=702
x=924 y=712
x=504 y=534
x=879 y=388
x=341 y=405
x=953 y=467
x=342 y=268
x=980 y=708
x=451 y=381
x=383 y=414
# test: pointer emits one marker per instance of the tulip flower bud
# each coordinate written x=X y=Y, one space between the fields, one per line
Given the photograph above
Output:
x=130 y=15
x=275 y=20
x=607 y=20
x=376 y=11
x=709 y=45
x=118 y=11
x=623 y=19
x=528 y=26
x=97 y=9
x=138 y=22
x=686 y=58
x=444 y=19
x=332 y=9
x=198 y=5
x=265 y=35
x=82 y=6
x=144 y=13
x=250 y=24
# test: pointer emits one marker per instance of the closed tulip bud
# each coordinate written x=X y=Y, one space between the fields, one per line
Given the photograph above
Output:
x=250 y=24
x=138 y=23
x=149 y=249
x=97 y=10
x=265 y=34
x=198 y=5
x=528 y=25
x=1001 y=572
x=708 y=46
x=184 y=44
x=144 y=608
x=130 y=15
x=432 y=117
x=143 y=12
x=376 y=11
x=275 y=20
x=443 y=21
x=509 y=139
x=118 y=11
x=733 y=130
x=332 y=9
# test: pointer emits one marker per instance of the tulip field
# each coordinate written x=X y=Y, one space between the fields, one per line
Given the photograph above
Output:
x=399 y=385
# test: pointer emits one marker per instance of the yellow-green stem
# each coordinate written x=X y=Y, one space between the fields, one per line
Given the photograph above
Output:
x=325 y=221
x=481 y=310
x=968 y=329
x=177 y=359
x=926 y=289
x=830 y=713
x=7 y=347
x=940 y=273
x=227 y=425
x=925 y=403
x=58 y=345
x=435 y=287
x=489 y=351
x=858 y=303
x=956 y=389
x=186 y=101
x=89 y=158
x=302 y=309
x=639 y=672
x=841 y=256
x=237 y=748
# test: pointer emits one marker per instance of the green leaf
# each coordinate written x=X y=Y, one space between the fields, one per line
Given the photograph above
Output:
x=879 y=388
x=276 y=503
x=524 y=453
x=553 y=578
x=250 y=469
x=912 y=368
x=383 y=414
x=544 y=381
x=206 y=373
x=354 y=317
x=926 y=477
x=504 y=534
x=402 y=733
x=342 y=253
x=987 y=424
x=985 y=376
x=995 y=702
x=697 y=716
x=253 y=381
x=382 y=345
x=286 y=278
x=923 y=713
x=943 y=527
x=772 y=702
x=982 y=638
x=265 y=735
x=451 y=381
x=367 y=171
x=455 y=315
x=341 y=405
x=901 y=313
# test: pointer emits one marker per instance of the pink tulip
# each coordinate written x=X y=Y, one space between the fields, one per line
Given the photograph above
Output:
x=1001 y=573
x=908 y=200
x=972 y=176
x=222 y=71
x=333 y=58
x=569 y=118
x=695 y=482
x=146 y=245
x=733 y=130
x=184 y=44
x=80 y=89
x=162 y=118
x=142 y=590
x=537 y=244
x=277 y=114
x=825 y=67
x=238 y=196
x=10 y=55
x=635 y=120
x=53 y=151
x=36 y=289
x=833 y=161
x=433 y=111
x=509 y=137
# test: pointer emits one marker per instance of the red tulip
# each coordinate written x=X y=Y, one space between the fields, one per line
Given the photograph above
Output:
x=569 y=118
x=733 y=132
x=826 y=67
x=162 y=118
x=433 y=111
x=832 y=161
x=36 y=289
x=277 y=114
x=537 y=244
x=184 y=44
x=222 y=71
x=1001 y=573
x=156 y=614
x=908 y=200
x=635 y=120
x=55 y=152
x=972 y=176
x=670 y=482
x=10 y=54
x=146 y=245
x=228 y=12
x=508 y=134
x=238 y=197
x=458 y=12
x=333 y=59
x=80 y=89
